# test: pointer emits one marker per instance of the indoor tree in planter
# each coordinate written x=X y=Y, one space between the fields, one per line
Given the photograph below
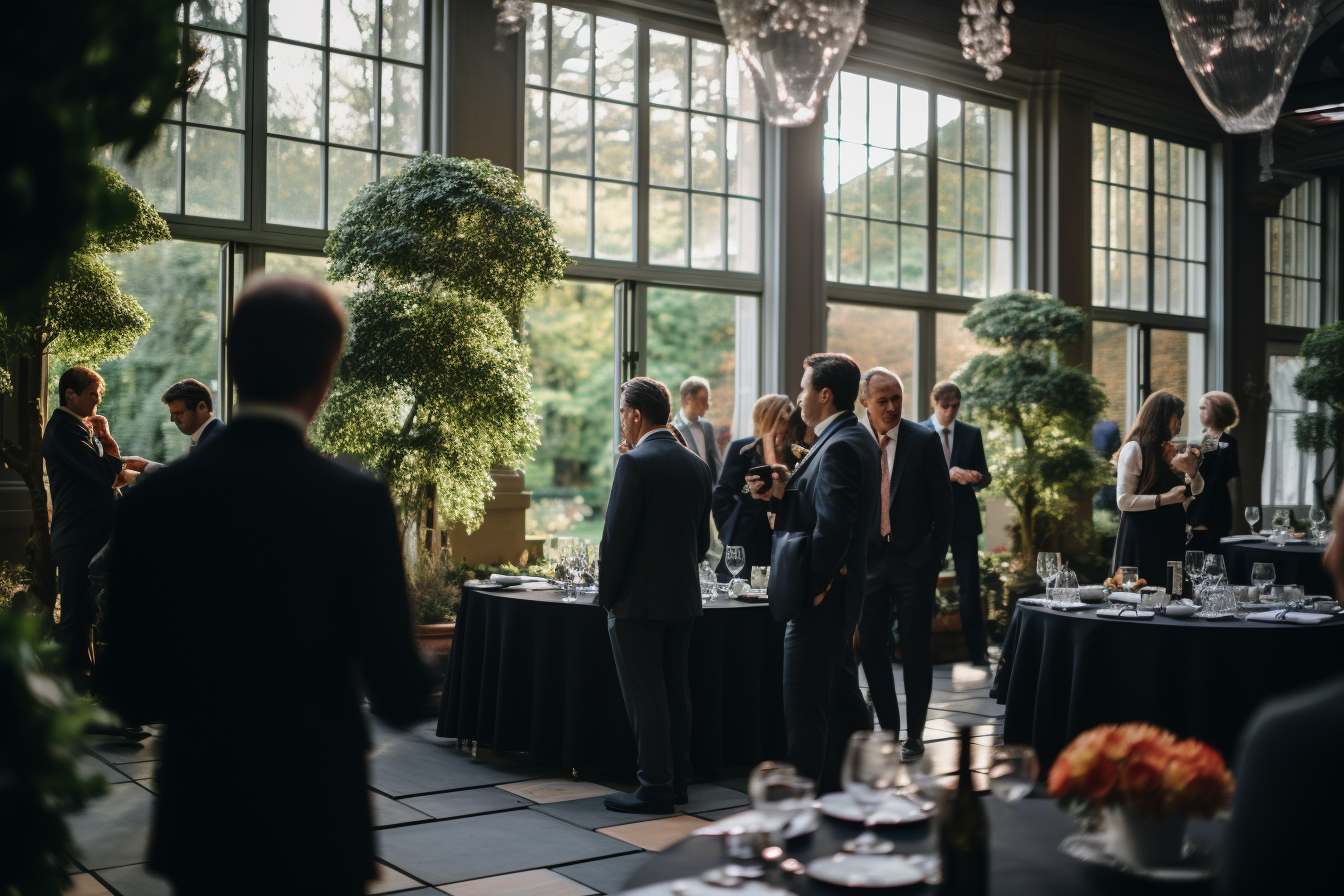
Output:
x=1322 y=380
x=1037 y=412
x=434 y=388
x=86 y=319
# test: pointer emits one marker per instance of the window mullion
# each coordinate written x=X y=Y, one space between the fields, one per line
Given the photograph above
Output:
x=642 y=154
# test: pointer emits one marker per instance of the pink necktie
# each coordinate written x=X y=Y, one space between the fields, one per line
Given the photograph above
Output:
x=947 y=445
x=886 y=484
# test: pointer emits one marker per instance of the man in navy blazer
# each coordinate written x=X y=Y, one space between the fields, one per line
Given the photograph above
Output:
x=964 y=451
x=191 y=407
x=656 y=533
x=818 y=559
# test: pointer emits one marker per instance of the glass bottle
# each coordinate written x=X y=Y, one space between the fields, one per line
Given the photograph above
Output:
x=963 y=834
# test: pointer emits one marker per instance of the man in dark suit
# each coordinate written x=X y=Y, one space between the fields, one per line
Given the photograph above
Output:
x=824 y=512
x=697 y=431
x=656 y=532
x=1263 y=852
x=968 y=471
x=306 y=609
x=83 y=466
x=906 y=546
x=191 y=407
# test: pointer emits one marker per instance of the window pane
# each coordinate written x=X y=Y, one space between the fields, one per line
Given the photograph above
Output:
x=882 y=184
x=177 y=282
x=741 y=92
x=914 y=246
x=949 y=128
x=538 y=53
x=976 y=200
x=667 y=227
x=667 y=69
x=570 y=337
x=949 y=196
x=705 y=334
x=223 y=15
x=615 y=64
x=707 y=232
x=744 y=235
x=614 y=224
x=569 y=208
x=744 y=158
x=977 y=134
x=293 y=183
x=353 y=23
x=352 y=100
x=1100 y=151
x=402 y=27
x=1138 y=282
x=1160 y=163
x=217 y=98
x=1138 y=220
x=955 y=345
x=707 y=61
x=1110 y=365
x=949 y=262
x=1138 y=161
x=294 y=91
x=297 y=20
x=154 y=171
x=914 y=119
x=667 y=147
x=1000 y=267
x=615 y=141
x=830 y=173
x=569 y=134
x=853 y=179
x=882 y=106
x=1002 y=204
x=1176 y=175
x=975 y=273
x=914 y=189
x=534 y=129
x=401 y=116
x=853 y=108
x=832 y=247
x=348 y=170
x=571 y=50
x=876 y=337
x=214 y=174
x=1001 y=138
x=883 y=253
x=707 y=170
x=1119 y=157
x=1099 y=294
x=390 y=165
x=853 y=246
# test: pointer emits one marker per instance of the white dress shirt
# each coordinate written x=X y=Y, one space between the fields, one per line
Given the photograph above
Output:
x=821 y=427
x=894 y=432
x=1127 y=471
x=649 y=433
x=151 y=466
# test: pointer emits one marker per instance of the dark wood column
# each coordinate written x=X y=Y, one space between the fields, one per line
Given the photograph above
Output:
x=483 y=112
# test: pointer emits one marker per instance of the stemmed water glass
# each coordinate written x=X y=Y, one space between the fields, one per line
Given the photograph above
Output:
x=779 y=795
x=872 y=763
x=734 y=557
x=1252 y=517
x=1194 y=567
x=1318 y=517
x=1215 y=571
x=1013 y=772
x=1047 y=567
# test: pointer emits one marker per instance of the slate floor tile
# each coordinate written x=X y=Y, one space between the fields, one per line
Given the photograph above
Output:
x=88 y=764
x=444 y=852
x=390 y=880
x=387 y=811
x=540 y=882
x=655 y=835
x=982 y=706
x=716 y=814
x=948 y=721
x=140 y=771
x=605 y=875
x=589 y=813
x=407 y=767
x=458 y=803
x=119 y=749
x=114 y=829
x=136 y=880
x=555 y=790
x=708 y=797
x=85 y=885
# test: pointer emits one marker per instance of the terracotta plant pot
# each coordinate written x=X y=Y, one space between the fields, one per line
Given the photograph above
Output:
x=1147 y=844
x=434 y=642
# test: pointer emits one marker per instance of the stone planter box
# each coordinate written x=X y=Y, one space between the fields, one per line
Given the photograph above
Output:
x=434 y=642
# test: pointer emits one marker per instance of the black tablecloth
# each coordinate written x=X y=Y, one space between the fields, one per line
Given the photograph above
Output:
x=1294 y=564
x=1062 y=673
x=531 y=674
x=1024 y=854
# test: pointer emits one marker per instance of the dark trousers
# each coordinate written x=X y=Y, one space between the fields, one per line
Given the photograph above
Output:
x=78 y=611
x=822 y=703
x=651 y=662
x=908 y=591
x=966 y=557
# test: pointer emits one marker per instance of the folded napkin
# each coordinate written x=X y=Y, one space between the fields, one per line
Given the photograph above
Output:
x=1032 y=601
x=1298 y=618
x=1233 y=539
x=1124 y=597
x=1092 y=592
x=1125 y=613
x=514 y=580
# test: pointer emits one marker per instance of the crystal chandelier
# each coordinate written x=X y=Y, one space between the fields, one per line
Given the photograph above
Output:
x=984 y=35
x=793 y=49
x=511 y=16
x=1240 y=55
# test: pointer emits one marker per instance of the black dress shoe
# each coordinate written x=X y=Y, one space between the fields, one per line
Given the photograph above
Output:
x=628 y=802
x=912 y=749
x=681 y=799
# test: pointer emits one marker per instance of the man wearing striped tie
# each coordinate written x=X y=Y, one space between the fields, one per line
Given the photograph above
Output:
x=191 y=407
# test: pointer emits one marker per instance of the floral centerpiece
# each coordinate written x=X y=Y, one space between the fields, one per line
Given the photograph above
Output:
x=1146 y=783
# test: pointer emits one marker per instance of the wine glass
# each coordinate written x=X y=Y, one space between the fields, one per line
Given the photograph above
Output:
x=1047 y=565
x=1262 y=576
x=872 y=762
x=1318 y=517
x=1215 y=570
x=1252 y=517
x=1194 y=564
x=779 y=794
x=1013 y=772
x=734 y=557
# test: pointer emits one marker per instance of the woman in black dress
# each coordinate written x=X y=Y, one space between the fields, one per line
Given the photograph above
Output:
x=1150 y=489
x=1210 y=515
x=740 y=519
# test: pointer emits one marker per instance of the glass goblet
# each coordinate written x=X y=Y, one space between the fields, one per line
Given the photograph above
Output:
x=869 y=775
x=734 y=558
x=1215 y=569
x=1252 y=515
x=1013 y=772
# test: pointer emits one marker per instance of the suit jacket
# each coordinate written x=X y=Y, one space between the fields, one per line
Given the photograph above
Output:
x=823 y=521
x=968 y=452
x=212 y=431
x=921 y=497
x=302 y=599
x=656 y=532
x=711 y=444
x=82 y=497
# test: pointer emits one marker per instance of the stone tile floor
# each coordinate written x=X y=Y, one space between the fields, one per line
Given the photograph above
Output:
x=487 y=826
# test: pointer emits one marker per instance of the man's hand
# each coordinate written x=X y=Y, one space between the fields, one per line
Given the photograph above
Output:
x=98 y=423
x=1186 y=462
x=780 y=476
x=137 y=464
x=964 y=477
x=816 y=601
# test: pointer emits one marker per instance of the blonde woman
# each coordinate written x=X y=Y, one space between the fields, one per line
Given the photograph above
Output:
x=740 y=520
x=1210 y=515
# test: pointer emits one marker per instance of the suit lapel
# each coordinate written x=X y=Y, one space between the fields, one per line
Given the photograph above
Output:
x=903 y=449
x=831 y=430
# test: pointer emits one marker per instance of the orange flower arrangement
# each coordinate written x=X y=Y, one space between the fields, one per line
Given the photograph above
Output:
x=1143 y=767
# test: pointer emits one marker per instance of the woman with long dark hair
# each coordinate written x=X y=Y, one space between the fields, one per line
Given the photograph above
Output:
x=740 y=519
x=1151 y=479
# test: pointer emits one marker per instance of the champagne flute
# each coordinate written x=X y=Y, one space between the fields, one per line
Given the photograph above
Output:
x=1013 y=772
x=1252 y=517
x=872 y=762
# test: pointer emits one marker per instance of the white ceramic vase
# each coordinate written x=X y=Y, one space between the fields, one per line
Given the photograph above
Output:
x=1139 y=841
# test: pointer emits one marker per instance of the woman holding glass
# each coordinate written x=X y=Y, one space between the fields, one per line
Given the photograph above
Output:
x=1210 y=515
x=1151 y=479
x=741 y=520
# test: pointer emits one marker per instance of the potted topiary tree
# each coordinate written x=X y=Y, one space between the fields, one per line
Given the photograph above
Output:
x=85 y=319
x=1322 y=380
x=1037 y=412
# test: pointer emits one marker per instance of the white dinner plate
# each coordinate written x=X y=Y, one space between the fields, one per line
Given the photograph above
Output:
x=854 y=870
x=894 y=809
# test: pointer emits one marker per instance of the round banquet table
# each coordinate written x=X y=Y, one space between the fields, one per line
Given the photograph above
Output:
x=531 y=674
x=1294 y=563
x=1061 y=673
x=1024 y=857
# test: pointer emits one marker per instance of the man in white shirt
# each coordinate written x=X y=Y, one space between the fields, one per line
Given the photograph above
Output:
x=191 y=407
x=694 y=428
